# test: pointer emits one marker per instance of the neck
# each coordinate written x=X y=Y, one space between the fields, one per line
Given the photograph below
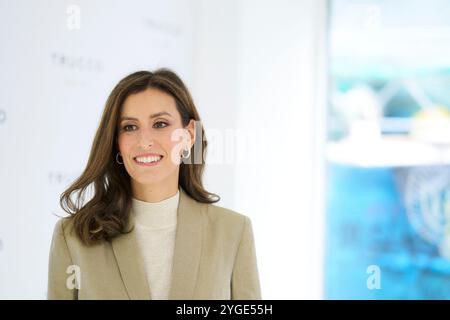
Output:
x=153 y=193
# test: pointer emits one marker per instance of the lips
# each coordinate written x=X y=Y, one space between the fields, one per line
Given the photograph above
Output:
x=149 y=159
x=147 y=155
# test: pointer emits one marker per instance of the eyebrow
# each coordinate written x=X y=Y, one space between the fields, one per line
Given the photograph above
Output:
x=151 y=116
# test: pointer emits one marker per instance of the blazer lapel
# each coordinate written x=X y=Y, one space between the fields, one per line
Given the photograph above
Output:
x=131 y=266
x=188 y=243
x=186 y=257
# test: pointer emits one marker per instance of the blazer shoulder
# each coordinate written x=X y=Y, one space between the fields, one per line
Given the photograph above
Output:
x=64 y=227
x=227 y=217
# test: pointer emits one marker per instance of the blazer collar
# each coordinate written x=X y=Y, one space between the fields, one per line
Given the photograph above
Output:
x=186 y=258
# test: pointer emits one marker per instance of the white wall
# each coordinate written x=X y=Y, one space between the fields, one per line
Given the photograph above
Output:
x=257 y=72
x=215 y=87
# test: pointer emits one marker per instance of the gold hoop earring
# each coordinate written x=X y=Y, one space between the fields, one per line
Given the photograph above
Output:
x=117 y=158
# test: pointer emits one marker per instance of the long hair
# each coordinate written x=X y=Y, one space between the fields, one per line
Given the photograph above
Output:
x=107 y=214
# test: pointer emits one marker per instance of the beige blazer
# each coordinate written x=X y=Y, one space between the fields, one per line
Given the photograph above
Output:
x=214 y=258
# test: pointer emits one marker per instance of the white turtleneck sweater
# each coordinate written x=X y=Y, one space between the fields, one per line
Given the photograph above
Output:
x=155 y=224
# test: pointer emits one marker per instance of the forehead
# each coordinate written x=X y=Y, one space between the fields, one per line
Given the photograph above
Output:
x=147 y=102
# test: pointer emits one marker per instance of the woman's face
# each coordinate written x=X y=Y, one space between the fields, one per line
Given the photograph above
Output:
x=148 y=126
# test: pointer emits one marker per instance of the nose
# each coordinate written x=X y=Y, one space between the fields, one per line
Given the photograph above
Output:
x=145 y=138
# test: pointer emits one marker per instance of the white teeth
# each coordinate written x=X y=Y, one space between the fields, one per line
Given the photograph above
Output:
x=148 y=159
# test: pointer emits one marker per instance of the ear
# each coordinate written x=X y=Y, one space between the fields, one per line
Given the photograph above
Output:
x=191 y=127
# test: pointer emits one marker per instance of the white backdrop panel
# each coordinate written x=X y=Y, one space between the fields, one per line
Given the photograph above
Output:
x=56 y=75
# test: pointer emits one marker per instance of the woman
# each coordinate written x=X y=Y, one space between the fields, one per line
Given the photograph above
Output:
x=150 y=230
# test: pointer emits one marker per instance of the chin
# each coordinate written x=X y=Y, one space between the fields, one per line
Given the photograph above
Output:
x=148 y=179
x=153 y=176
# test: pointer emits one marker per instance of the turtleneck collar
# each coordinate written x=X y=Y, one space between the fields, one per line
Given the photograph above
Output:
x=156 y=215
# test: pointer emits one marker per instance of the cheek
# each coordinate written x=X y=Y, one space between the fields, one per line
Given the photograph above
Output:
x=169 y=147
x=125 y=143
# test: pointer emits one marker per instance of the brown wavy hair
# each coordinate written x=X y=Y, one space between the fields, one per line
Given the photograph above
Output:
x=106 y=214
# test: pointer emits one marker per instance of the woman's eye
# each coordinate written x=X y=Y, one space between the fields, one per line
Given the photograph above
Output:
x=159 y=123
x=125 y=128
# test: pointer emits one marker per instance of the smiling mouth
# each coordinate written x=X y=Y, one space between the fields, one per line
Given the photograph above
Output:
x=150 y=160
